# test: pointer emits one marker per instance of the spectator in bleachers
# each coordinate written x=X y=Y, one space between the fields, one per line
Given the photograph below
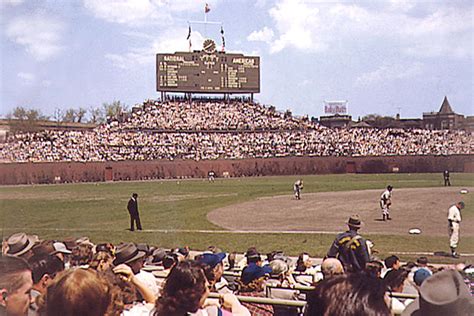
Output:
x=44 y=269
x=391 y=263
x=185 y=293
x=331 y=267
x=374 y=268
x=15 y=286
x=443 y=293
x=281 y=277
x=395 y=281
x=129 y=254
x=21 y=245
x=349 y=295
x=61 y=251
x=101 y=261
x=82 y=255
x=76 y=292
x=214 y=269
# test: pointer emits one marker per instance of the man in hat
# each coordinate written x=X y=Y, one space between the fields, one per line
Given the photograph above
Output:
x=446 y=178
x=386 y=202
x=350 y=248
x=443 y=293
x=214 y=269
x=133 y=211
x=454 y=220
x=21 y=245
x=129 y=254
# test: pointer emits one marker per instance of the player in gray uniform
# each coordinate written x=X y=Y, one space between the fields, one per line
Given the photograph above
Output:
x=297 y=187
x=385 y=202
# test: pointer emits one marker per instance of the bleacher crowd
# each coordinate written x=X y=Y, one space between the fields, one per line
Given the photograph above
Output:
x=223 y=130
x=76 y=277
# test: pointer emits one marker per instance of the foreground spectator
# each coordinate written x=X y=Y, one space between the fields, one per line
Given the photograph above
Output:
x=76 y=292
x=15 y=286
x=348 y=295
x=44 y=269
x=395 y=281
x=443 y=293
x=214 y=269
x=331 y=267
x=186 y=290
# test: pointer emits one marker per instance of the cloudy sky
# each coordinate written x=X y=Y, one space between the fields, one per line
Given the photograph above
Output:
x=381 y=56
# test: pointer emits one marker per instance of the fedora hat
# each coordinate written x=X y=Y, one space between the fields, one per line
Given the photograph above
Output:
x=354 y=221
x=20 y=243
x=443 y=293
x=127 y=253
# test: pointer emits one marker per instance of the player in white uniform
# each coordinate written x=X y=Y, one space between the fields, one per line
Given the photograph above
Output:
x=385 y=202
x=454 y=219
x=297 y=187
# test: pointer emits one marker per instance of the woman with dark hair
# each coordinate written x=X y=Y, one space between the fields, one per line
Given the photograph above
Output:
x=186 y=290
x=348 y=295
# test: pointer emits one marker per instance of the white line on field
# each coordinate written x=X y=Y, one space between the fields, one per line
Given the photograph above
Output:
x=203 y=231
x=425 y=253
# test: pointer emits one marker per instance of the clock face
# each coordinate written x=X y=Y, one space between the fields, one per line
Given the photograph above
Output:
x=209 y=46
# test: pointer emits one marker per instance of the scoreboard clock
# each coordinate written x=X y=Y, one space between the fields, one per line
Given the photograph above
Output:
x=207 y=71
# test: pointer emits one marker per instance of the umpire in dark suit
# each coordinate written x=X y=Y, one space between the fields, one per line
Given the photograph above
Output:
x=133 y=211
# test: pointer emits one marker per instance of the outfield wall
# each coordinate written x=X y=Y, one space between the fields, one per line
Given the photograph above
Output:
x=34 y=173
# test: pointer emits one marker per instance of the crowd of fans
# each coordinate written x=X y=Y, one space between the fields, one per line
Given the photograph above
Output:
x=223 y=130
x=77 y=277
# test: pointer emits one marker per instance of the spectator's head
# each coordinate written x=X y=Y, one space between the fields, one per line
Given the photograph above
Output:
x=252 y=255
x=44 y=269
x=331 y=267
x=348 y=295
x=170 y=260
x=129 y=254
x=374 y=268
x=303 y=262
x=107 y=247
x=254 y=272
x=392 y=262
x=60 y=250
x=444 y=293
x=81 y=255
x=101 y=261
x=420 y=276
x=422 y=261
x=21 y=245
x=279 y=268
x=77 y=292
x=354 y=222
x=15 y=286
x=158 y=255
x=185 y=290
x=213 y=265
x=395 y=279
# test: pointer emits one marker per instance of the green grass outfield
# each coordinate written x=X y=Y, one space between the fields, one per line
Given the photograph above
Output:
x=98 y=210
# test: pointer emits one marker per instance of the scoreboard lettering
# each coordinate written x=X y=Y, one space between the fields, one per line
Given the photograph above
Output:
x=207 y=72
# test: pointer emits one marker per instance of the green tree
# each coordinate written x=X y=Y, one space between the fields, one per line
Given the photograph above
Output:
x=25 y=120
x=114 y=109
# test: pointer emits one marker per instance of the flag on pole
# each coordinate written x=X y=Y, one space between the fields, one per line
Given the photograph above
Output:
x=223 y=39
x=189 y=33
x=207 y=8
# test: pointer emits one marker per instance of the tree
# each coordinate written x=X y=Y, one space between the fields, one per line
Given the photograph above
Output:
x=114 y=110
x=26 y=120
x=378 y=121
x=80 y=114
x=69 y=116
x=96 y=116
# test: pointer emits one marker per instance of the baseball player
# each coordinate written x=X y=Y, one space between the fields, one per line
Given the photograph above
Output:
x=297 y=187
x=385 y=202
x=454 y=219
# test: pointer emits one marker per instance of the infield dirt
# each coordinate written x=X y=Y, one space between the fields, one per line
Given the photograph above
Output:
x=423 y=208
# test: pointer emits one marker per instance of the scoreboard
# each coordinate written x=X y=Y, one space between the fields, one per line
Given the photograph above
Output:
x=207 y=72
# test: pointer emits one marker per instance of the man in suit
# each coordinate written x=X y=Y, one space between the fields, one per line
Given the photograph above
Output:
x=133 y=211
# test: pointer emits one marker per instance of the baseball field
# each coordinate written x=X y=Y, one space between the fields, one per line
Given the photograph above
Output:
x=237 y=213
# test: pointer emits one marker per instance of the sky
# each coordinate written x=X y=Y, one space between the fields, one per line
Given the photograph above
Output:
x=383 y=57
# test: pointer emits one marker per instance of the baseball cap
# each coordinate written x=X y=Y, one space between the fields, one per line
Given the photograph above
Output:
x=60 y=247
x=211 y=259
x=421 y=275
